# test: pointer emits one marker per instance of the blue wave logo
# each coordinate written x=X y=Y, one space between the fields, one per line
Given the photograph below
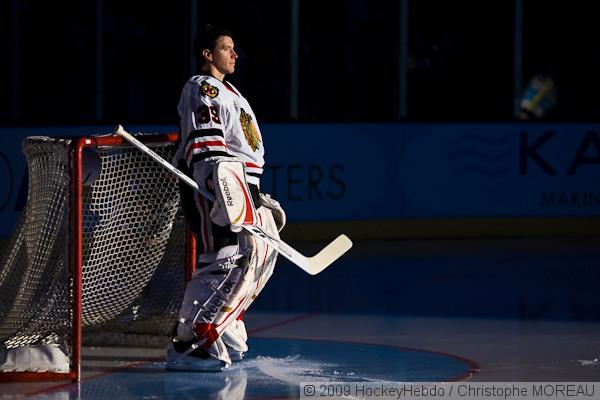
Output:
x=482 y=155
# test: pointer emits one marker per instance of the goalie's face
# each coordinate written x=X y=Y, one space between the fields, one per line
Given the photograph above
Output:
x=221 y=60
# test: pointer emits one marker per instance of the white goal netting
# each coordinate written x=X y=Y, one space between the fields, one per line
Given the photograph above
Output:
x=133 y=247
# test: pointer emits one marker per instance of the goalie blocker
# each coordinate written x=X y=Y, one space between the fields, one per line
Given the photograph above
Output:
x=234 y=203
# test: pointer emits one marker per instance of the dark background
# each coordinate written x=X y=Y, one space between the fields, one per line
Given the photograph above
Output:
x=83 y=62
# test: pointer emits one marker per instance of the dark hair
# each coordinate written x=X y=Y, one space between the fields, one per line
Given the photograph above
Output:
x=207 y=39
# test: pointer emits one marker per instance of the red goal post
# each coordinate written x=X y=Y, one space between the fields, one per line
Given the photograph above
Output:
x=125 y=221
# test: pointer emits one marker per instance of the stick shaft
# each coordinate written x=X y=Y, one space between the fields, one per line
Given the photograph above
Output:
x=311 y=265
x=131 y=139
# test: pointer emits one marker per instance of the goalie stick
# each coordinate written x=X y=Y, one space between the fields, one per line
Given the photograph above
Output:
x=312 y=265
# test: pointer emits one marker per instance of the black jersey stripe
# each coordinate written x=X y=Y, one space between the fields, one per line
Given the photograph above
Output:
x=203 y=133
x=207 y=154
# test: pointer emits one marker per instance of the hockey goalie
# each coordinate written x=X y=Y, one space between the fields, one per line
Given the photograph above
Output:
x=221 y=149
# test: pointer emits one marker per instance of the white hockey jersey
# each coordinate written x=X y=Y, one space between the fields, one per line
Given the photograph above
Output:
x=216 y=122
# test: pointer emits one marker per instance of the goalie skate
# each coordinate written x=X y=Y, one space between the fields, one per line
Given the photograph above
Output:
x=180 y=358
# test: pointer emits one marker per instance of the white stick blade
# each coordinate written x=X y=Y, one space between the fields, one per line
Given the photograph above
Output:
x=329 y=254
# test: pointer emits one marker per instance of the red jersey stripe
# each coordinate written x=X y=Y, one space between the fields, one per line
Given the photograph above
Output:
x=198 y=145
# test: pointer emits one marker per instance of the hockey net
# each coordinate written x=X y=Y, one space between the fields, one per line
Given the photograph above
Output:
x=99 y=246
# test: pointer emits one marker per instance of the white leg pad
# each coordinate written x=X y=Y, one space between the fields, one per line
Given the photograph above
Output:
x=213 y=301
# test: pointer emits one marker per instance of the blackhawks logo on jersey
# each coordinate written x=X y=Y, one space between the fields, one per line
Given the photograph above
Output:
x=250 y=131
x=209 y=90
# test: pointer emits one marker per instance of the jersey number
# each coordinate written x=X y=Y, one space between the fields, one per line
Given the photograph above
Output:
x=206 y=114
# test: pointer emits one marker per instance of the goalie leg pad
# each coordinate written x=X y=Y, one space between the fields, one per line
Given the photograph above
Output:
x=212 y=302
x=215 y=298
x=263 y=257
